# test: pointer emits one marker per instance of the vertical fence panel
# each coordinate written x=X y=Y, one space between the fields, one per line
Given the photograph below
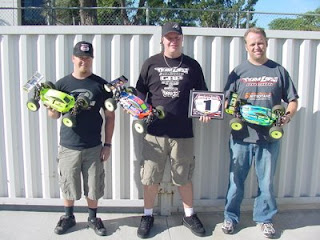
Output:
x=11 y=113
x=315 y=188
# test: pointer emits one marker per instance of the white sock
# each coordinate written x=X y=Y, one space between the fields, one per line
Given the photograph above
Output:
x=148 y=211
x=188 y=212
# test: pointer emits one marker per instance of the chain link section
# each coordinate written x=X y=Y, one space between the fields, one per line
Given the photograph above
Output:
x=155 y=16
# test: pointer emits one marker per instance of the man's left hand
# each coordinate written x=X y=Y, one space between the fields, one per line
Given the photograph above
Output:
x=105 y=153
x=285 y=119
x=204 y=119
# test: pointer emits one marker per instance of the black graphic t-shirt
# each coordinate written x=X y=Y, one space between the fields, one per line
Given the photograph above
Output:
x=167 y=82
x=87 y=132
x=266 y=86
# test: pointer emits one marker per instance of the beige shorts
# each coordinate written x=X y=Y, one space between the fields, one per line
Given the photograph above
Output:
x=74 y=163
x=156 y=151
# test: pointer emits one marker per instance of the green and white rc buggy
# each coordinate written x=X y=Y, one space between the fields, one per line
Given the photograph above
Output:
x=245 y=112
x=57 y=100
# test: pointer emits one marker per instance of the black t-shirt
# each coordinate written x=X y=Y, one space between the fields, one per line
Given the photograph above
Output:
x=167 y=82
x=87 y=132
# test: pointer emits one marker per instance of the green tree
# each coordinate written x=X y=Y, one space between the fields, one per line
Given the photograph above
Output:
x=88 y=16
x=73 y=12
x=62 y=12
x=129 y=12
x=308 y=22
x=118 y=12
x=205 y=13
x=226 y=13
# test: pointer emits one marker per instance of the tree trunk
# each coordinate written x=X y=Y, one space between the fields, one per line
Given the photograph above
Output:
x=124 y=13
x=88 y=17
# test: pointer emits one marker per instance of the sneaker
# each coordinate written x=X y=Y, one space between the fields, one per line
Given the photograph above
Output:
x=97 y=225
x=228 y=226
x=194 y=224
x=268 y=230
x=64 y=224
x=146 y=224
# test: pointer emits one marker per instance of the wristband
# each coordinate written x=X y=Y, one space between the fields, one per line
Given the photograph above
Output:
x=107 y=145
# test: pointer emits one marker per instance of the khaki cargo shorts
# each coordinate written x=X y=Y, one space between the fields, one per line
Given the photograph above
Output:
x=74 y=163
x=156 y=151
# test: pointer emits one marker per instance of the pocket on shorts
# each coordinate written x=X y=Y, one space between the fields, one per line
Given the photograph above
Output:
x=102 y=185
x=192 y=167
x=61 y=151
x=141 y=169
x=63 y=183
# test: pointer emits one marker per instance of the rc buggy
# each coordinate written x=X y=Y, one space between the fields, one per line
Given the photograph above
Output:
x=57 y=100
x=242 y=111
x=143 y=112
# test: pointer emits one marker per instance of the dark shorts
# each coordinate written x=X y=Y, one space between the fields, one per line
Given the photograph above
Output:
x=74 y=163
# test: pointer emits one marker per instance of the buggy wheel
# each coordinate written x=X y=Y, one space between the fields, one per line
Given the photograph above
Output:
x=33 y=105
x=236 y=124
x=69 y=120
x=49 y=85
x=276 y=132
x=140 y=126
x=131 y=90
x=110 y=104
x=160 y=112
x=83 y=101
x=278 y=109
x=108 y=87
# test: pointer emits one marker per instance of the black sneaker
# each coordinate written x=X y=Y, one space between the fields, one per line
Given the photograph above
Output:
x=97 y=225
x=194 y=224
x=64 y=224
x=146 y=224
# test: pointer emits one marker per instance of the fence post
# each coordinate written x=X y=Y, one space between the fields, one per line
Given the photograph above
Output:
x=248 y=19
x=166 y=191
x=147 y=13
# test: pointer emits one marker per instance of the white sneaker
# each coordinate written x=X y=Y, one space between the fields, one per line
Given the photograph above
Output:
x=228 y=227
x=268 y=230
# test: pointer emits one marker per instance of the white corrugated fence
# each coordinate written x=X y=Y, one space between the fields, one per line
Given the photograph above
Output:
x=28 y=144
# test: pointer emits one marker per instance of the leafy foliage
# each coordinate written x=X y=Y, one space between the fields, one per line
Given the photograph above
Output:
x=206 y=13
x=308 y=22
x=203 y=13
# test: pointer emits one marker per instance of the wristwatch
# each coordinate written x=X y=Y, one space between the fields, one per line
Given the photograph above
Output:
x=107 y=145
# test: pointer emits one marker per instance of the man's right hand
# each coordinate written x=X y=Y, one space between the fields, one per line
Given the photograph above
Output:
x=52 y=113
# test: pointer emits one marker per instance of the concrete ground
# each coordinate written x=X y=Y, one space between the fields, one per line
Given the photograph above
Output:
x=33 y=225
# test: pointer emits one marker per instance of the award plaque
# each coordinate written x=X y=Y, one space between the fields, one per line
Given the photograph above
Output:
x=206 y=103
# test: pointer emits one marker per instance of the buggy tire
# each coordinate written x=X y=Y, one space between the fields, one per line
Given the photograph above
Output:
x=160 y=112
x=49 y=85
x=276 y=132
x=139 y=126
x=83 y=102
x=110 y=104
x=69 y=120
x=108 y=87
x=33 y=105
x=278 y=109
x=236 y=124
x=131 y=90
